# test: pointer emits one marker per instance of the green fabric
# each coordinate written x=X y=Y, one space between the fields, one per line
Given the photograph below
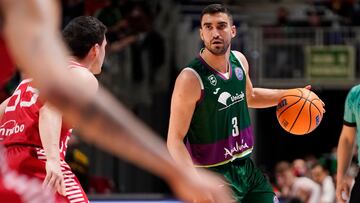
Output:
x=351 y=112
x=220 y=130
x=247 y=181
x=212 y=119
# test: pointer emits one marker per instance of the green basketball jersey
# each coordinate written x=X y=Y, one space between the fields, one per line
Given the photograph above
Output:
x=351 y=112
x=220 y=130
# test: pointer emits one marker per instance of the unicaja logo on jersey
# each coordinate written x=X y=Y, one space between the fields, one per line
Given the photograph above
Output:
x=227 y=99
x=11 y=127
x=224 y=97
x=212 y=79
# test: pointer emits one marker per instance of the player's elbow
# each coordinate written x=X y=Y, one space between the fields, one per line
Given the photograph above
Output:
x=251 y=101
x=172 y=143
x=170 y=147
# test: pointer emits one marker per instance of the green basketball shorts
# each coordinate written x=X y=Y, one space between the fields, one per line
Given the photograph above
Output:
x=247 y=181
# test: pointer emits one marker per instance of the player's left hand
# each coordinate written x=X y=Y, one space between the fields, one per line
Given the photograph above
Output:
x=309 y=88
x=54 y=178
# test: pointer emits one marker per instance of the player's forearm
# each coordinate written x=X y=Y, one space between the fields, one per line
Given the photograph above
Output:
x=344 y=155
x=178 y=127
x=50 y=129
x=263 y=98
x=180 y=154
x=115 y=129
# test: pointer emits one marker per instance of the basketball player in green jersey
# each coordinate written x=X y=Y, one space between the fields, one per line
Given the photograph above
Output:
x=349 y=138
x=209 y=107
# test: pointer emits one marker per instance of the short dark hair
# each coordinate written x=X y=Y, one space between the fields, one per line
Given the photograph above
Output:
x=215 y=8
x=82 y=33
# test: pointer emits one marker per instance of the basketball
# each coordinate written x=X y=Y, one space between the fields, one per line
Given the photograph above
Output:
x=299 y=111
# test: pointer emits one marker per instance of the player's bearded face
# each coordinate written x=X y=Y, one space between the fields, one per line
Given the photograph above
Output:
x=216 y=32
x=217 y=46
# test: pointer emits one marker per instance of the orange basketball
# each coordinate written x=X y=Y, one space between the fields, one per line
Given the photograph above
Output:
x=299 y=111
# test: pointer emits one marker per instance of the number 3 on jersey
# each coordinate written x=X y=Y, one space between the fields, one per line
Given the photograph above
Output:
x=28 y=103
x=235 y=128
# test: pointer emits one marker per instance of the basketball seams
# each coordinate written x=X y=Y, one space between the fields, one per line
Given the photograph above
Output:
x=311 y=104
x=291 y=95
x=311 y=101
x=300 y=109
x=316 y=107
x=294 y=116
x=292 y=103
x=298 y=114
x=295 y=95
x=289 y=105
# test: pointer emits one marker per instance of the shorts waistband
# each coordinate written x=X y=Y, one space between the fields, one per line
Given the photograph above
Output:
x=238 y=161
x=21 y=145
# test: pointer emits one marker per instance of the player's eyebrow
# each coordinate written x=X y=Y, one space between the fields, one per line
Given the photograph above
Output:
x=218 y=23
x=222 y=23
x=205 y=24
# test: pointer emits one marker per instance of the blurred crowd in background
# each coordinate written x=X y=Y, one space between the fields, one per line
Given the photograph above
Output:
x=309 y=179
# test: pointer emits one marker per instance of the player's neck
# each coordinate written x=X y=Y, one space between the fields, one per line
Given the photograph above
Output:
x=85 y=62
x=219 y=63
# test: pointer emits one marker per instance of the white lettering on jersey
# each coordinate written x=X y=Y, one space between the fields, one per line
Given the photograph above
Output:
x=64 y=145
x=23 y=103
x=237 y=148
x=11 y=127
x=33 y=98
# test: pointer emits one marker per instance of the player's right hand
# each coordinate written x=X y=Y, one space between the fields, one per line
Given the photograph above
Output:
x=342 y=191
x=54 y=179
x=203 y=187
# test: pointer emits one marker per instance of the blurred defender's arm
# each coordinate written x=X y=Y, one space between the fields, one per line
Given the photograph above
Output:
x=44 y=57
x=31 y=32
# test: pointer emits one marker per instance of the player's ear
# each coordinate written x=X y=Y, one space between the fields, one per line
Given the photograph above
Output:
x=96 y=49
x=233 y=31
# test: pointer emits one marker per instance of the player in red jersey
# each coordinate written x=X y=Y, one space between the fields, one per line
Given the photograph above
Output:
x=31 y=34
x=29 y=129
x=16 y=188
x=33 y=131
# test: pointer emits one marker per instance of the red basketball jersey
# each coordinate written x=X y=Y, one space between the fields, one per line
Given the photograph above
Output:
x=19 y=188
x=20 y=122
